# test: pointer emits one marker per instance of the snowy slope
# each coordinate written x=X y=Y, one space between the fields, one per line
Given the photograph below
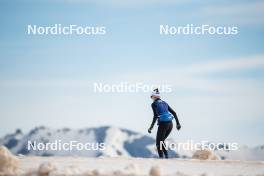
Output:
x=243 y=153
x=122 y=166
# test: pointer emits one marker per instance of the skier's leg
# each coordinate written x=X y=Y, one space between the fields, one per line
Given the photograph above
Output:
x=160 y=136
x=164 y=150
x=169 y=127
x=168 y=130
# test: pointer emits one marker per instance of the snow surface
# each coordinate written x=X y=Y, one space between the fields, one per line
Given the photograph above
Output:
x=139 y=166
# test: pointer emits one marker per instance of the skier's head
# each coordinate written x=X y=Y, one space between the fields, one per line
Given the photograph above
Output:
x=155 y=94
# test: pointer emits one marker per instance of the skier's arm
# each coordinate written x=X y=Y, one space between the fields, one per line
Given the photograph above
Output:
x=155 y=117
x=174 y=114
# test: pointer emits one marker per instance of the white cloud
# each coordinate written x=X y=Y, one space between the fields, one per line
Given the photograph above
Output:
x=191 y=77
x=196 y=77
x=227 y=64
x=236 y=13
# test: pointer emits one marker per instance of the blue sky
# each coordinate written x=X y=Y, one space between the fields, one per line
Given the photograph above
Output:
x=217 y=81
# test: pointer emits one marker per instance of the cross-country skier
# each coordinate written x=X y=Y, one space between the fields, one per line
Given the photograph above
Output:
x=164 y=113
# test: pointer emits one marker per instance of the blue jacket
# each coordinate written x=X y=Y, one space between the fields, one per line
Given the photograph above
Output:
x=163 y=112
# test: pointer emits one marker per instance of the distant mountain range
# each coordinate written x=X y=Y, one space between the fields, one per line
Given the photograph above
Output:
x=118 y=142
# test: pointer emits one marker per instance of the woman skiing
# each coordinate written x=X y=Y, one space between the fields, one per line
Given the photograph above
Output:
x=164 y=113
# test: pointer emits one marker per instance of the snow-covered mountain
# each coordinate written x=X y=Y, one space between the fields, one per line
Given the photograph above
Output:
x=118 y=142
x=243 y=153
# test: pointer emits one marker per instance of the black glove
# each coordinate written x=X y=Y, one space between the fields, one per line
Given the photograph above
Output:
x=178 y=126
x=149 y=130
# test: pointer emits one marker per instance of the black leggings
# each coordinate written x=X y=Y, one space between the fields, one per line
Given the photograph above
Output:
x=163 y=132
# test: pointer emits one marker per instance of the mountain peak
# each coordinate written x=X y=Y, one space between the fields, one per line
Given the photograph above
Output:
x=119 y=141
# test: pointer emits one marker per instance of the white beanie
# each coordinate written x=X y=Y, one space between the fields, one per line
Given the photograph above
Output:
x=155 y=93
